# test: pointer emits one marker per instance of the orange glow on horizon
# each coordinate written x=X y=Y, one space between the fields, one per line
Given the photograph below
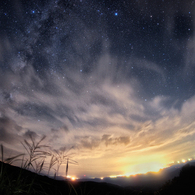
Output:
x=138 y=169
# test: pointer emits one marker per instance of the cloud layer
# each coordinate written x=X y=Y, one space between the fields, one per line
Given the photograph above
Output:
x=83 y=80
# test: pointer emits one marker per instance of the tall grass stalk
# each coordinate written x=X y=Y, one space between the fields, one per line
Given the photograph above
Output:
x=35 y=152
x=52 y=162
x=60 y=157
x=1 y=172
x=8 y=185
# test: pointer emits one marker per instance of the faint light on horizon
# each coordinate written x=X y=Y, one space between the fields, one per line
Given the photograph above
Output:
x=113 y=176
x=180 y=161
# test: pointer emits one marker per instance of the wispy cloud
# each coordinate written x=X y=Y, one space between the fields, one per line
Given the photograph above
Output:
x=92 y=112
x=118 y=102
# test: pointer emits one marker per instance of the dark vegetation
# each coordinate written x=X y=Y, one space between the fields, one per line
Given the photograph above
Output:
x=23 y=181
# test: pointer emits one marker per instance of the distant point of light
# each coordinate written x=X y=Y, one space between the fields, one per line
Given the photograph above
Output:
x=181 y=161
x=33 y=11
x=81 y=70
x=101 y=178
x=116 y=14
x=71 y=178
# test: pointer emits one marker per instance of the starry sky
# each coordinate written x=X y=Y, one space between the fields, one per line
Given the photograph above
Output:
x=112 y=79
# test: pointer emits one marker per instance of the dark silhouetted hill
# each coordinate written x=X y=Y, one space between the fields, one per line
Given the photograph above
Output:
x=183 y=184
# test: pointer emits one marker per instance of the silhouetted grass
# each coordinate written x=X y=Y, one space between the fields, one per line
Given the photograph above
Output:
x=59 y=157
x=36 y=154
x=22 y=183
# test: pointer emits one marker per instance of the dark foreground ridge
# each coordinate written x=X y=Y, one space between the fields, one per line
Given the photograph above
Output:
x=14 y=180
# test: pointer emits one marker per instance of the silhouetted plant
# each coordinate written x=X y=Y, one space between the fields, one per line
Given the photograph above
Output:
x=23 y=183
x=8 y=185
x=69 y=161
x=60 y=157
x=9 y=160
x=35 y=152
x=52 y=162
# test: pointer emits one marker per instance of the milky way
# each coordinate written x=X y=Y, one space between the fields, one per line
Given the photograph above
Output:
x=113 y=79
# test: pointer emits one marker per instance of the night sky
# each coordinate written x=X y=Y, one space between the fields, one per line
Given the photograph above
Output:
x=113 y=79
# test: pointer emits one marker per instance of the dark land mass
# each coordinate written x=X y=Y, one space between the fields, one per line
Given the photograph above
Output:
x=14 y=180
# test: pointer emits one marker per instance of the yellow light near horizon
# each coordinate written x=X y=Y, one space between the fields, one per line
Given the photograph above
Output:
x=113 y=176
x=183 y=160
x=145 y=168
x=73 y=178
